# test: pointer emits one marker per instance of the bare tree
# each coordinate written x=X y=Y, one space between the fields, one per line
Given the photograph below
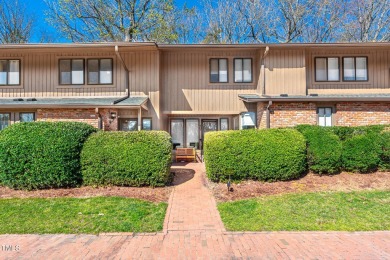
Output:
x=16 y=25
x=113 y=20
x=367 y=20
x=188 y=26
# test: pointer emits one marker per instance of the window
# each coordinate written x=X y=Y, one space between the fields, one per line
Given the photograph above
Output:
x=9 y=72
x=100 y=71
x=146 y=124
x=327 y=69
x=325 y=116
x=5 y=120
x=219 y=70
x=72 y=72
x=224 y=124
x=192 y=133
x=243 y=70
x=128 y=124
x=26 y=117
x=355 y=69
x=177 y=132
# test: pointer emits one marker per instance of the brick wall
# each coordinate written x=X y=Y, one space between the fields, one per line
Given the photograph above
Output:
x=88 y=116
x=359 y=113
x=285 y=114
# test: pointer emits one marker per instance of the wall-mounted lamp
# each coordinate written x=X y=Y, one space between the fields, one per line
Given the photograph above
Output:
x=112 y=115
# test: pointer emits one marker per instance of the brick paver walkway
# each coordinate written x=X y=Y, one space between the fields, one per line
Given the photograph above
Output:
x=193 y=230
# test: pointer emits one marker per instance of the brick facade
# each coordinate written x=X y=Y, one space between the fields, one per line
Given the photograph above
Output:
x=287 y=114
x=85 y=115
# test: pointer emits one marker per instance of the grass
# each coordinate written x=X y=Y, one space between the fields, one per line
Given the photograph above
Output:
x=337 y=211
x=80 y=215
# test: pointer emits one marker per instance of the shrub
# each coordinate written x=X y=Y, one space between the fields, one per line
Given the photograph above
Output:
x=362 y=153
x=385 y=156
x=323 y=149
x=127 y=158
x=40 y=155
x=269 y=155
x=346 y=132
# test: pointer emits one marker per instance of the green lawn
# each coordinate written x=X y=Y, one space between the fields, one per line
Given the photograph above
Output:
x=75 y=215
x=338 y=211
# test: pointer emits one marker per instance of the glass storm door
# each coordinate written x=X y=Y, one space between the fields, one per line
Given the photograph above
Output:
x=208 y=126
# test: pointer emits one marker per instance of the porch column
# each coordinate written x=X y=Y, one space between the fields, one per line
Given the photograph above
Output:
x=139 y=119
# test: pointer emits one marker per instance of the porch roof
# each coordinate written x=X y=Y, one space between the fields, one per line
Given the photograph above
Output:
x=135 y=102
x=312 y=98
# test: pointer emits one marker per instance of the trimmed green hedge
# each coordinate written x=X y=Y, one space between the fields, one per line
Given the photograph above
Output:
x=269 y=155
x=323 y=149
x=127 y=158
x=385 y=157
x=362 y=153
x=347 y=132
x=39 y=155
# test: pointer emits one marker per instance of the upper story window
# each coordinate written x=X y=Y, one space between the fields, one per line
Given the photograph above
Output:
x=9 y=72
x=218 y=70
x=72 y=72
x=99 y=71
x=327 y=69
x=243 y=70
x=355 y=69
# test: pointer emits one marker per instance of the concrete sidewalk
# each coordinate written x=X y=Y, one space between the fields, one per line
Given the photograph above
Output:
x=193 y=230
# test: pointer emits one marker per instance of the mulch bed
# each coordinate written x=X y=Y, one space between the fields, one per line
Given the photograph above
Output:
x=160 y=194
x=310 y=183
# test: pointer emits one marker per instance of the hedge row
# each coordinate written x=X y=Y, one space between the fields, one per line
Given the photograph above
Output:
x=324 y=149
x=269 y=155
x=127 y=159
x=42 y=155
x=354 y=149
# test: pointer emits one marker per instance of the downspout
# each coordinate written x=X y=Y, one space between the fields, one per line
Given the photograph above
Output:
x=268 y=120
x=127 y=77
x=263 y=68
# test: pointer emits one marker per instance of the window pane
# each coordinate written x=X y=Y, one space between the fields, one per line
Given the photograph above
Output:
x=3 y=72
x=105 y=71
x=77 y=72
x=192 y=128
x=321 y=117
x=328 y=116
x=13 y=75
x=177 y=132
x=129 y=125
x=247 y=70
x=333 y=69
x=4 y=120
x=349 y=68
x=147 y=124
x=238 y=70
x=64 y=71
x=224 y=124
x=93 y=71
x=26 y=117
x=214 y=70
x=223 y=70
x=361 y=68
x=321 y=69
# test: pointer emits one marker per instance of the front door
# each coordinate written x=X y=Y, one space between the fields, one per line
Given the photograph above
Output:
x=209 y=125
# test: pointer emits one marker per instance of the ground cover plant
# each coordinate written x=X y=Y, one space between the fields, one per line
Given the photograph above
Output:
x=39 y=155
x=325 y=211
x=127 y=159
x=80 y=215
x=268 y=155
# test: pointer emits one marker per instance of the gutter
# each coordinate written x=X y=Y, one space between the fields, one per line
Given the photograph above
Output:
x=127 y=77
x=268 y=119
x=314 y=99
